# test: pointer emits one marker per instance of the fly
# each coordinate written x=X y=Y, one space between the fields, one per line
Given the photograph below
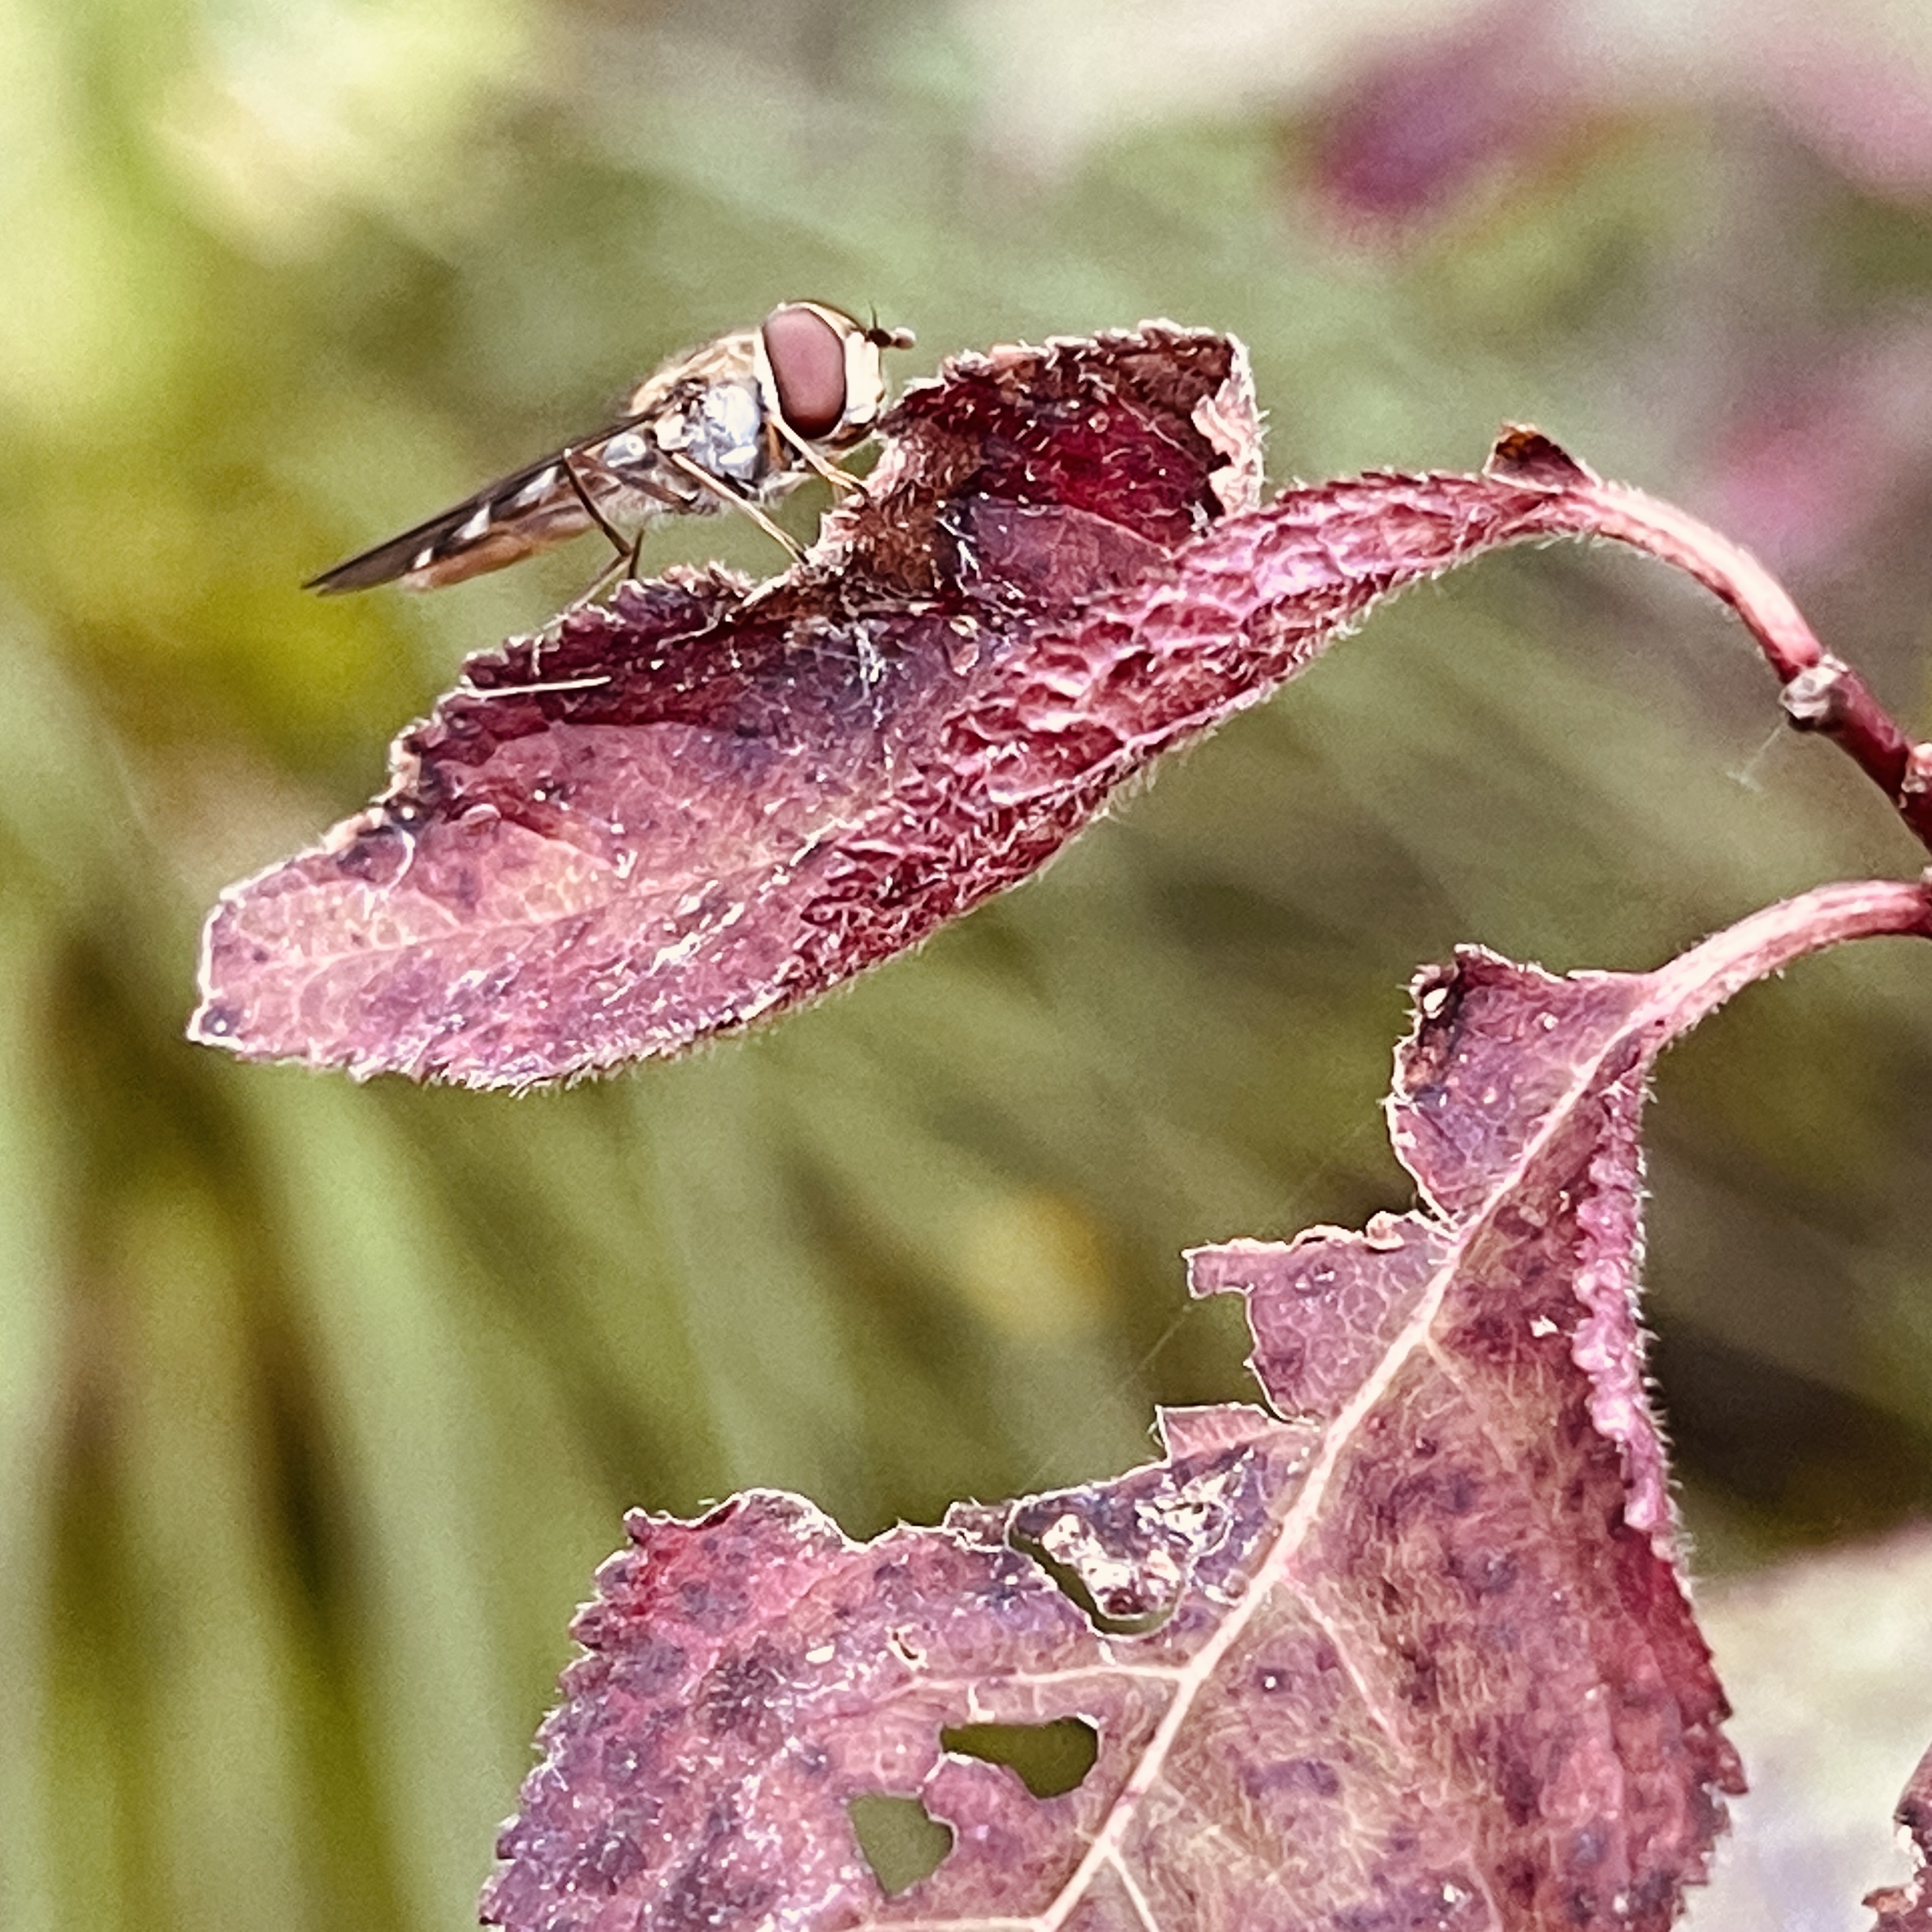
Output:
x=736 y=423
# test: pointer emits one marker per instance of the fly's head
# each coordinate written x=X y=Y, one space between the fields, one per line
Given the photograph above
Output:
x=824 y=371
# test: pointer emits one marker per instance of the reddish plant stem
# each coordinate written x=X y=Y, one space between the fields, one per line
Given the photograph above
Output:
x=1698 y=982
x=1821 y=692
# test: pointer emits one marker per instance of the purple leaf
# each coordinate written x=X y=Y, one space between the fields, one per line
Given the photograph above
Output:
x=713 y=801
x=1409 y=1647
x=1517 y=87
x=1908 y=1907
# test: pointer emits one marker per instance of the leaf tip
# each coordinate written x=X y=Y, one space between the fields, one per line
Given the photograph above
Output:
x=1907 y=1907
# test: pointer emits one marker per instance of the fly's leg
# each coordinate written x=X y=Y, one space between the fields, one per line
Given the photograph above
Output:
x=841 y=480
x=568 y=458
x=624 y=563
x=725 y=493
x=623 y=568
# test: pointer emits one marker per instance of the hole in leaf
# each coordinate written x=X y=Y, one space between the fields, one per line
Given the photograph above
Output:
x=1049 y=1759
x=1072 y=1585
x=902 y=1841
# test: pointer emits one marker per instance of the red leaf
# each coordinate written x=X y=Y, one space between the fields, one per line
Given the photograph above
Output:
x=1408 y=1649
x=1908 y=1907
x=715 y=802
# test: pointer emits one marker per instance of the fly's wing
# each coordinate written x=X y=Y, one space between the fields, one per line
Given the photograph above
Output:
x=620 y=467
x=530 y=510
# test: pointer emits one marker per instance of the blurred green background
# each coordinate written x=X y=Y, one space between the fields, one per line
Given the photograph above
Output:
x=318 y=1404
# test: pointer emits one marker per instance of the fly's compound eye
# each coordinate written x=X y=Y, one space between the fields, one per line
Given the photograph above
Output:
x=807 y=356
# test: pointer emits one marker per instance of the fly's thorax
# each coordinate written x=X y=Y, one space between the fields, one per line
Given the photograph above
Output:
x=718 y=423
x=725 y=431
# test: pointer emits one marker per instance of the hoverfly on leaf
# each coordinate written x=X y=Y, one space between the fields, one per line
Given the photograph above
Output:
x=737 y=422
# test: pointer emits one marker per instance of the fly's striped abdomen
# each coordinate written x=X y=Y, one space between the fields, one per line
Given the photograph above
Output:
x=520 y=515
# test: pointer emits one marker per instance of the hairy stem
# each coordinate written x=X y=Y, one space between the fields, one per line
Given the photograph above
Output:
x=1821 y=692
